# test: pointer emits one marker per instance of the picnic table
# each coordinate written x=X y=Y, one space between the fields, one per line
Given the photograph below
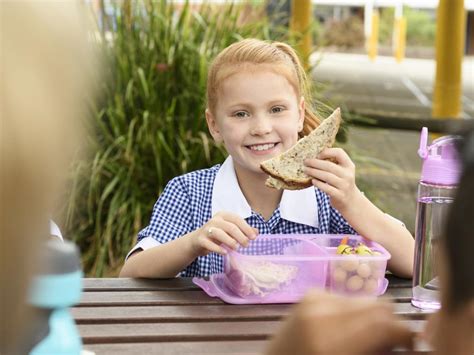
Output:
x=175 y=316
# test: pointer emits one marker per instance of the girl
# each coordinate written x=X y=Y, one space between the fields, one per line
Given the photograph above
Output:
x=258 y=105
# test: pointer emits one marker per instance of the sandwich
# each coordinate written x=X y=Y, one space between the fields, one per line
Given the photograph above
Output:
x=287 y=170
x=258 y=277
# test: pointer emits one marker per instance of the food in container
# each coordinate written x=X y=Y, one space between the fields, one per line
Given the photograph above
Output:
x=254 y=277
x=358 y=269
x=281 y=268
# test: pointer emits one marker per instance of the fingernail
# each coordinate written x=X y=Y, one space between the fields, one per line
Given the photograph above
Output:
x=224 y=251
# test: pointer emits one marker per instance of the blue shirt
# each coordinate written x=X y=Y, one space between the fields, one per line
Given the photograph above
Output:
x=190 y=200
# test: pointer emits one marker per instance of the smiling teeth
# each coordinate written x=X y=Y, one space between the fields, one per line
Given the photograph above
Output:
x=262 y=147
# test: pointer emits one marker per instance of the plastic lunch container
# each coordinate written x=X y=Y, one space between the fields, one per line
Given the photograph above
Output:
x=280 y=268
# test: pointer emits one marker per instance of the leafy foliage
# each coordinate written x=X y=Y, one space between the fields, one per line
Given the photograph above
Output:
x=421 y=27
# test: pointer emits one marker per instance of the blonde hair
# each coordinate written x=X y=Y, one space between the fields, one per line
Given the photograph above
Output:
x=47 y=70
x=254 y=51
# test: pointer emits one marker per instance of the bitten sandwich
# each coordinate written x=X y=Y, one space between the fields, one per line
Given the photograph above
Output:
x=286 y=169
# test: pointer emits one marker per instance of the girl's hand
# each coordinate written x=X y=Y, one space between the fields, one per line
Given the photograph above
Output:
x=335 y=177
x=224 y=228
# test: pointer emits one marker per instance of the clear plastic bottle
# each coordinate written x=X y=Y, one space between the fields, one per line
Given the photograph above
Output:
x=436 y=191
x=56 y=287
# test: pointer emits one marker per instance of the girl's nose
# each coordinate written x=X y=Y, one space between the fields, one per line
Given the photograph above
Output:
x=260 y=126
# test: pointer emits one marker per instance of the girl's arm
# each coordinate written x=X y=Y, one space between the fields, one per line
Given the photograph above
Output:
x=337 y=180
x=168 y=259
x=163 y=261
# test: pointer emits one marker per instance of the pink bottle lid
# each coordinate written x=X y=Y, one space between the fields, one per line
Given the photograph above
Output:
x=440 y=160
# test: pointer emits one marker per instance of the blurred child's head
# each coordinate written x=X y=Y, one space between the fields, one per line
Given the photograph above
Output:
x=459 y=237
x=250 y=54
x=47 y=67
x=459 y=241
x=455 y=326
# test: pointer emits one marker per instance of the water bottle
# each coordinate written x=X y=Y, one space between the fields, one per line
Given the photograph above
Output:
x=56 y=287
x=436 y=190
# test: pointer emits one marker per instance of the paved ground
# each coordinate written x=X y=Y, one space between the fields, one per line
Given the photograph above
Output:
x=388 y=167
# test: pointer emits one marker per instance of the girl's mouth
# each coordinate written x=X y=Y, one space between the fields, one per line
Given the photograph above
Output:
x=262 y=148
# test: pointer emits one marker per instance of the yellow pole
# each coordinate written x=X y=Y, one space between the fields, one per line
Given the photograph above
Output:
x=301 y=15
x=374 y=36
x=400 y=38
x=450 y=32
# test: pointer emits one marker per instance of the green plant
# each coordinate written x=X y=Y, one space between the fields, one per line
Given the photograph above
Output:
x=149 y=125
x=386 y=24
x=421 y=27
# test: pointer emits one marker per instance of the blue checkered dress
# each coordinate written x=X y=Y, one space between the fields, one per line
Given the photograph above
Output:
x=185 y=205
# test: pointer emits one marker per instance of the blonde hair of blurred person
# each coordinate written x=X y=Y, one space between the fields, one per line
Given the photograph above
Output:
x=46 y=69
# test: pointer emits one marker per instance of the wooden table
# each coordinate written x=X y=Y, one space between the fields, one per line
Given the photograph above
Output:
x=175 y=316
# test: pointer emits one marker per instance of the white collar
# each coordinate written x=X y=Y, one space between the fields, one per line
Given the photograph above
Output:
x=299 y=206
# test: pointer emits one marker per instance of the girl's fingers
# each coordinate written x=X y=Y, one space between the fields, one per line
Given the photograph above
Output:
x=244 y=227
x=222 y=237
x=326 y=188
x=232 y=229
x=325 y=165
x=209 y=245
x=234 y=232
x=337 y=154
x=325 y=176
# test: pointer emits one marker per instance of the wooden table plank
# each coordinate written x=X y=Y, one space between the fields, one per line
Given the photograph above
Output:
x=190 y=331
x=248 y=347
x=149 y=298
x=196 y=313
x=146 y=298
x=128 y=284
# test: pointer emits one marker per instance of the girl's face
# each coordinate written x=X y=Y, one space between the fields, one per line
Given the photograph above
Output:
x=258 y=116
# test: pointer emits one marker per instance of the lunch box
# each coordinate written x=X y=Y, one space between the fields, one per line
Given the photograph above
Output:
x=280 y=268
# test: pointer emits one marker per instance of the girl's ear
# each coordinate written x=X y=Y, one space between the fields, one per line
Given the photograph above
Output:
x=302 y=107
x=213 y=126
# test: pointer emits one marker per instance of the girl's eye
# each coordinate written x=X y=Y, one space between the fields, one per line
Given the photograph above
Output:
x=277 y=109
x=241 y=114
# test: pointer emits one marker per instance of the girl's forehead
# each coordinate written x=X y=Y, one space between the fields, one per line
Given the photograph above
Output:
x=250 y=69
x=259 y=88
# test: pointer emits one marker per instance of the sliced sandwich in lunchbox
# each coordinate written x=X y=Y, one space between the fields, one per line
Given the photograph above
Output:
x=287 y=170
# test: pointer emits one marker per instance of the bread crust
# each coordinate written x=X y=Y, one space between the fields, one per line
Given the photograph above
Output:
x=286 y=170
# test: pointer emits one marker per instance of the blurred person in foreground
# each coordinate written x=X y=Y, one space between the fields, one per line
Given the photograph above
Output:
x=46 y=71
x=325 y=324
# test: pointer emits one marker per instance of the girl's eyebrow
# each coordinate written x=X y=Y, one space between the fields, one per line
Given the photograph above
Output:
x=239 y=105
x=269 y=103
x=279 y=101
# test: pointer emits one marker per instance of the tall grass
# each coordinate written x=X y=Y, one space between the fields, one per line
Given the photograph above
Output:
x=149 y=125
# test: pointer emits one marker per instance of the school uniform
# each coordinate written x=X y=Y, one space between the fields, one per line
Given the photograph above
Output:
x=189 y=201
